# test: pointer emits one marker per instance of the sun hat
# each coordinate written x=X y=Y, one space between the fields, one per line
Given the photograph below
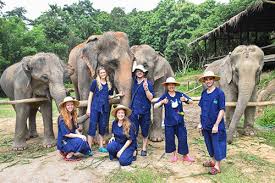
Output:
x=170 y=80
x=126 y=109
x=69 y=99
x=140 y=67
x=207 y=74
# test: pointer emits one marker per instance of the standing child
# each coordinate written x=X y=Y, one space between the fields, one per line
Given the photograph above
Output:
x=174 y=120
x=123 y=143
x=98 y=107
x=69 y=141
x=212 y=125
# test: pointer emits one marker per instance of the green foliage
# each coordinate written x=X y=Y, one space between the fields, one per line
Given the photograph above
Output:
x=267 y=119
x=268 y=135
x=266 y=78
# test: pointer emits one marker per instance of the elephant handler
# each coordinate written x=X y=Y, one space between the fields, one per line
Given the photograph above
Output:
x=123 y=143
x=69 y=141
x=212 y=125
x=174 y=120
x=142 y=94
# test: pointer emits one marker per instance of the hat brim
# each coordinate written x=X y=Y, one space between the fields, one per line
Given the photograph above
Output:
x=166 y=83
x=216 y=78
x=128 y=111
x=76 y=103
x=144 y=71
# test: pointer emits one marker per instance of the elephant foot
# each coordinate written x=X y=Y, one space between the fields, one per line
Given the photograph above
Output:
x=229 y=139
x=33 y=134
x=19 y=146
x=156 y=135
x=249 y=131
x=49 y=142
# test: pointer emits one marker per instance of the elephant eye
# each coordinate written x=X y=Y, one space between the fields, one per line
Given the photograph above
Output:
x=44 y=78
x=113 y=64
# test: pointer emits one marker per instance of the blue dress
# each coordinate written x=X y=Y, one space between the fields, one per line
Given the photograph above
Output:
x=100 y=108
x=174 y=123
x=66 y=144
x=141 y=107
x=126 y=157
x=211 y=104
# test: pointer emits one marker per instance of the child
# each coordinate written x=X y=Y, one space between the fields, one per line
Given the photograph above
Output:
x=174 y=121
x=123 y=143
x=212 y=125
x=70 y=142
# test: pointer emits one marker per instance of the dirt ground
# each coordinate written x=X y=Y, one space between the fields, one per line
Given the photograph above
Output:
x=249 y=159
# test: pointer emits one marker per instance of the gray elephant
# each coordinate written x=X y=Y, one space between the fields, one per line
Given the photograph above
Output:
x=158 y=70
x=110 y=50
x=40 y=75
x=240 y=73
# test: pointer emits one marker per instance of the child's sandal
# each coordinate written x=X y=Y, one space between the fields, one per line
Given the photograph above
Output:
x=214 y=171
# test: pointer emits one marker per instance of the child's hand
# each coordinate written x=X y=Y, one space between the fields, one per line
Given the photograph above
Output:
x=145 y=85
x=183 y=99
x=119 y=153
x=215 y=129
x=164 y=101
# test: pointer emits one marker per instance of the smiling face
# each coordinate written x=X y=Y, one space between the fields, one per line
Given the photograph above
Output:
x=69 y=106
x=139 y=73
x=120 y=114
x=209 y=81
x=171 y=87
x=102 y=73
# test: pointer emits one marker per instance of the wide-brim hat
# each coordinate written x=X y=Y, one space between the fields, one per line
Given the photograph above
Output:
x=207 y=74
x=128 y=111
x=140 y=67
x=69 y=99
x=170 y=80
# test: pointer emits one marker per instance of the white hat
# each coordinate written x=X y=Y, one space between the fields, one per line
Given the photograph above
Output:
x=126 y=109
x=207 y=74
x=171 y=80
x=140 y=67
x=69 y=99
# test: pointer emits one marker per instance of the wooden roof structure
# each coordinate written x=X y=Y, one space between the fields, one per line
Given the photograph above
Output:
x=259 y=17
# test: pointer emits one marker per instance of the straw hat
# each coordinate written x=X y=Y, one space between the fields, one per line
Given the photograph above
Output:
x=140 y=67
x=69 y=99
x=126 y=109
x=170 y=80
x=207 y=74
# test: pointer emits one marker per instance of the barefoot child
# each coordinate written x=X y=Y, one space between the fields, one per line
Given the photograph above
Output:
x=174 y=120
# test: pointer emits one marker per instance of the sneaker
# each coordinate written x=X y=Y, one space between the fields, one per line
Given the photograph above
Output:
x=143 y=153
x=188 y=159
x=103 y=150
x=90 y=153
x=174 y=159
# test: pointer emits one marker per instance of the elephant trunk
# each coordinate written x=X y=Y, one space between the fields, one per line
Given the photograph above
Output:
x=245 y=91
x=123 y=80
x=58 y=92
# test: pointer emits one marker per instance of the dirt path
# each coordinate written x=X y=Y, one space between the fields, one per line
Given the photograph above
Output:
x=248 y=157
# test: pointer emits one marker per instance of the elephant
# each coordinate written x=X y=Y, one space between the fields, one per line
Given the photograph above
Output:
x=110 y=50
x=40 y=75
x=240 y=73
x=159 y=70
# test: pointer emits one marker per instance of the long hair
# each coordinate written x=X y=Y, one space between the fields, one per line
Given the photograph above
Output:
x=67 y=116
x=126 y=125
x=99 y=85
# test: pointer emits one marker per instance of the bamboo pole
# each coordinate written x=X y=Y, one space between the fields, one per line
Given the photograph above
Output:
x=22 y=101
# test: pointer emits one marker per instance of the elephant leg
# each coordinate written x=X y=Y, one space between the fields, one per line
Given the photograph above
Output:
x=156 y=134
x=22 y=114
x=229 y=114
x=32 y=123
x=249 y=117
x=46 y=111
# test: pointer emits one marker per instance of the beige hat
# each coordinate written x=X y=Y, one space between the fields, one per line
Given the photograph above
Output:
x=126 y=109
x=207 y=74
x=140 y=67
x=170 y=80
x=69 y=99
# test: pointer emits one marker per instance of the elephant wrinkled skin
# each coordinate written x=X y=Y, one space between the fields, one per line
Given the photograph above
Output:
x=40 y=75
x=158 y=71
x=240 y=73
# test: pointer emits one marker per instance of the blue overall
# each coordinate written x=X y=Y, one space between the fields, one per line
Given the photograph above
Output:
x=141 y=107
x=100 y=108
x=126 y=157
x=174 y=124
x=211 y=104
x=66 y=144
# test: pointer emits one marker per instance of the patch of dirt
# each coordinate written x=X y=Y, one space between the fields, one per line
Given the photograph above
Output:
x=52 y=168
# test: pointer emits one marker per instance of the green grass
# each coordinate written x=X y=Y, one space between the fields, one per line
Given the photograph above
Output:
x=267 y=119
x=268 y=135
x=265 y=79
x=138 y=175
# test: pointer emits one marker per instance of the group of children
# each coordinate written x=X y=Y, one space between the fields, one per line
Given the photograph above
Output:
x=123 y=143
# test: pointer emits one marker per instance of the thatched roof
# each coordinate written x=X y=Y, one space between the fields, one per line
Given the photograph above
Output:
x=257 y=18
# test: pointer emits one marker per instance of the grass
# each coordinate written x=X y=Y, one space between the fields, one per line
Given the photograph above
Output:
x=265 y=79
x=268 y=135
x=267 y=119
x=138 y=175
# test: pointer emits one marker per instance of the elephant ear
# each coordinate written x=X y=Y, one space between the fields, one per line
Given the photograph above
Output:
x=227 y=69
x=159 y=71
x=27 y=68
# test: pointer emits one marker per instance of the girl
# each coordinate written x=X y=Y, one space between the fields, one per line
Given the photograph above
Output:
x=98 y=107
x=123 y=143
x=70 y=142
x=174 y=121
